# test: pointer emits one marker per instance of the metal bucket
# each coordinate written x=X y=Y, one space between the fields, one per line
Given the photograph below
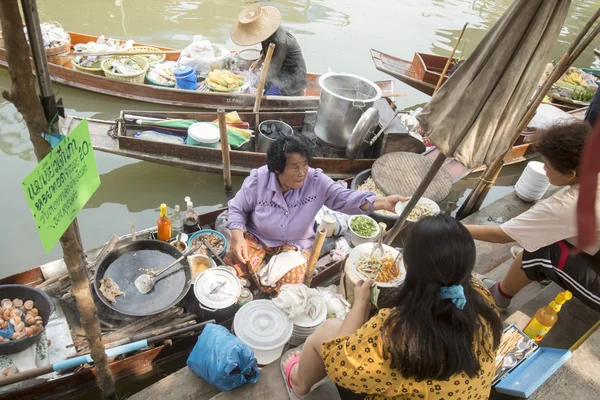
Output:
x=344 y=98
x=265 y=138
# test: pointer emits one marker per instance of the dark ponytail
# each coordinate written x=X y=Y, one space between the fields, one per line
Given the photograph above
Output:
x=429 y=337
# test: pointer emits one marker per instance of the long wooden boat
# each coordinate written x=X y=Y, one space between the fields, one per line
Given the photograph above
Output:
x=146 y=363
x=425 y=70
x=178 y=97
x=243 y=160
x=422 y=73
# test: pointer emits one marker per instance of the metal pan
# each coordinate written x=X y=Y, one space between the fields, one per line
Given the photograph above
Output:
x=123 y=266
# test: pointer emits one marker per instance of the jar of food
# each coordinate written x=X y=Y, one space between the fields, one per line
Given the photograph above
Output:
x=245 y=297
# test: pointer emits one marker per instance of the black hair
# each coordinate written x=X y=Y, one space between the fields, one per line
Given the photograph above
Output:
x=281 y=147
x=428 y=337
x=562 y=145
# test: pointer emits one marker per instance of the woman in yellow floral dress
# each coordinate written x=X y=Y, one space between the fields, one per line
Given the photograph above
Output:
x=439 y=342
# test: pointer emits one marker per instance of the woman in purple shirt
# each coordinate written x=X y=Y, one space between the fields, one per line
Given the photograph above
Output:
x=275 y=209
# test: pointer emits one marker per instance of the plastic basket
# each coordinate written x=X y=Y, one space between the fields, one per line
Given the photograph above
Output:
x=137 y=77
x=153 y=82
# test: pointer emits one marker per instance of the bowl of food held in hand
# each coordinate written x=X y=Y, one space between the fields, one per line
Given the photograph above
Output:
x=424 y=208
x=214 y=239
x=24 y=314
x=363 y=229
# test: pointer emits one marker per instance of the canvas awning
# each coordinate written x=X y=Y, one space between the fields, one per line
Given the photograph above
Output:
x=474 y=114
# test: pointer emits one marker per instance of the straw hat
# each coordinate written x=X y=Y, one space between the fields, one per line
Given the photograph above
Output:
x=255 y=24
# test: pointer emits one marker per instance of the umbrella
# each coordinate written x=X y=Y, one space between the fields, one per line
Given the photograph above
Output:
x=474 y=114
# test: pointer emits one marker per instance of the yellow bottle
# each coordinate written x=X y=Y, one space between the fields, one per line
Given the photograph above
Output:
x=545 y=317
x=163 y=224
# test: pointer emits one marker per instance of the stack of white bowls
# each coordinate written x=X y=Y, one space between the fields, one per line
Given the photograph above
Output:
x=304 y=326
x=533 y=182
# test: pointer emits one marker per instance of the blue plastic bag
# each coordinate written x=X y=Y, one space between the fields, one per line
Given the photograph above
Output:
x=222 y=359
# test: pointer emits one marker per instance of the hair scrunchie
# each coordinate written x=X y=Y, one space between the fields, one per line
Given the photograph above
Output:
x=454 y=293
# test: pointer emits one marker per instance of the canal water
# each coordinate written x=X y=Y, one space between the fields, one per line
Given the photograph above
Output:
x=334 y=34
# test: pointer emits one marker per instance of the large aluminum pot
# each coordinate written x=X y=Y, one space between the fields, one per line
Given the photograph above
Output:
x=344 y=98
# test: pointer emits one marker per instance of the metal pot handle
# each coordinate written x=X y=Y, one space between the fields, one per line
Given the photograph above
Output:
x=207 y=308
x=359 y=104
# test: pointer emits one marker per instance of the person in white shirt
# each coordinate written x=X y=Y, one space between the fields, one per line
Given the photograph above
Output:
x=548 y=231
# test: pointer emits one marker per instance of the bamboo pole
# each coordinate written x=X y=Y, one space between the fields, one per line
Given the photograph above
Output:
x=119 y=53
x=489 y=176
x=23 y=95
x=314 y=256
x=225 y=150
x=259 y=94
x=438 y=163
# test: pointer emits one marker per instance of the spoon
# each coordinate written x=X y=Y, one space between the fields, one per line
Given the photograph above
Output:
x=214 y=253
x=145 y=283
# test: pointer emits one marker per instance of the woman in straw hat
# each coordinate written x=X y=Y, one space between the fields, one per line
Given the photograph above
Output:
x=287 y=71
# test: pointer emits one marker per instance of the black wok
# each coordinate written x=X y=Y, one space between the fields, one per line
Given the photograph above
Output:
x=123 y=266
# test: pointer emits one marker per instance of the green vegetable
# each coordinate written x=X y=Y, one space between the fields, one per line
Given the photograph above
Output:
x=583 y=94
x=363 y=226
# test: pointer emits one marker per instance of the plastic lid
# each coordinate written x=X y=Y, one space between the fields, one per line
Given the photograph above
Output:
x=217 y=288
x=262 y=325
x=185 y=70
x=204 y=132
x=562 y=297
x=163 y=209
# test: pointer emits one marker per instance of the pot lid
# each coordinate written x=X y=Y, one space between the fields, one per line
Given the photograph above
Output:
x=262 y=325
x=217 y=288
x=204 y=132
x=363 y=133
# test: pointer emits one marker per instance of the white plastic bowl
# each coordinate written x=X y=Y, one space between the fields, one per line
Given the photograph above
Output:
x=367 y=248
x=357 y=239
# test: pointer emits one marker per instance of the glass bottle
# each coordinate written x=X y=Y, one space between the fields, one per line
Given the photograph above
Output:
x=176 y=222
x=163 y=224
x=190 y=221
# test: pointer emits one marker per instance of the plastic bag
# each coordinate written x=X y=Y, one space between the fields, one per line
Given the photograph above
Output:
x=203 y=56
x=221 y=226
x=222 y=359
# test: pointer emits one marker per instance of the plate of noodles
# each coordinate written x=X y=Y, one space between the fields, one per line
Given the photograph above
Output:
x=380 y=268
x=424 y=208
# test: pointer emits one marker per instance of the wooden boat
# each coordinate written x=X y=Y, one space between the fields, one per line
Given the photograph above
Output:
x=177 y=97
x=244 y=159
x=422 y=73
x=147 y=363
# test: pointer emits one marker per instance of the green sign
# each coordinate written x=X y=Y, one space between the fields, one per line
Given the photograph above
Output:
x=58 y=188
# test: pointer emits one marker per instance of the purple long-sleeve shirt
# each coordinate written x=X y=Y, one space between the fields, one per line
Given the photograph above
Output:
x=276 y=218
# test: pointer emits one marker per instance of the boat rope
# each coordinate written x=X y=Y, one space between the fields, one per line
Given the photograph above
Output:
x=113 y=131
x=486 y=181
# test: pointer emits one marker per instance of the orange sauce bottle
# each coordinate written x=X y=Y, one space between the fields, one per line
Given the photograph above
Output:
x=164 y=224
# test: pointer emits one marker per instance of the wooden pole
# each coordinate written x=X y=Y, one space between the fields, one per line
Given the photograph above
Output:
x=225 y=150
x=314 y=256
x=462 y=32
x=438 y=163
x=259 y=94
x=488 y=177
x=23 y=95
x=119 y=53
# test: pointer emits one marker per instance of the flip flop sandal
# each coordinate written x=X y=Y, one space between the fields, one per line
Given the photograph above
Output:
x=287 y=369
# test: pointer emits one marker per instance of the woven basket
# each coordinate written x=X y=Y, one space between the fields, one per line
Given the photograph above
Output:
x=148 y=48
x=52 y=54
x=94 y=71
x=137 y=77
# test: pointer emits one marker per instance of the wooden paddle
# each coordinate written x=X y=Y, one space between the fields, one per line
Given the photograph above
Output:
x=224 y=152
x=259 y=93
x=120 y=53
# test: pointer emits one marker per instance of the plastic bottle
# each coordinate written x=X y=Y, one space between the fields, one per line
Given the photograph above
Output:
x=546 y=317
x=176 y=222
x=190 y=220
x=164 y=224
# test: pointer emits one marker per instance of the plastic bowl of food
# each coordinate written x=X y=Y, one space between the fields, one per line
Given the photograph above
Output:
x=360 y=263
x=214 y=238
x=363 y=229
x=424 y=208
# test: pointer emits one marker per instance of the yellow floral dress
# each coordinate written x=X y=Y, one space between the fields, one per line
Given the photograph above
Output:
x=356 y=362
